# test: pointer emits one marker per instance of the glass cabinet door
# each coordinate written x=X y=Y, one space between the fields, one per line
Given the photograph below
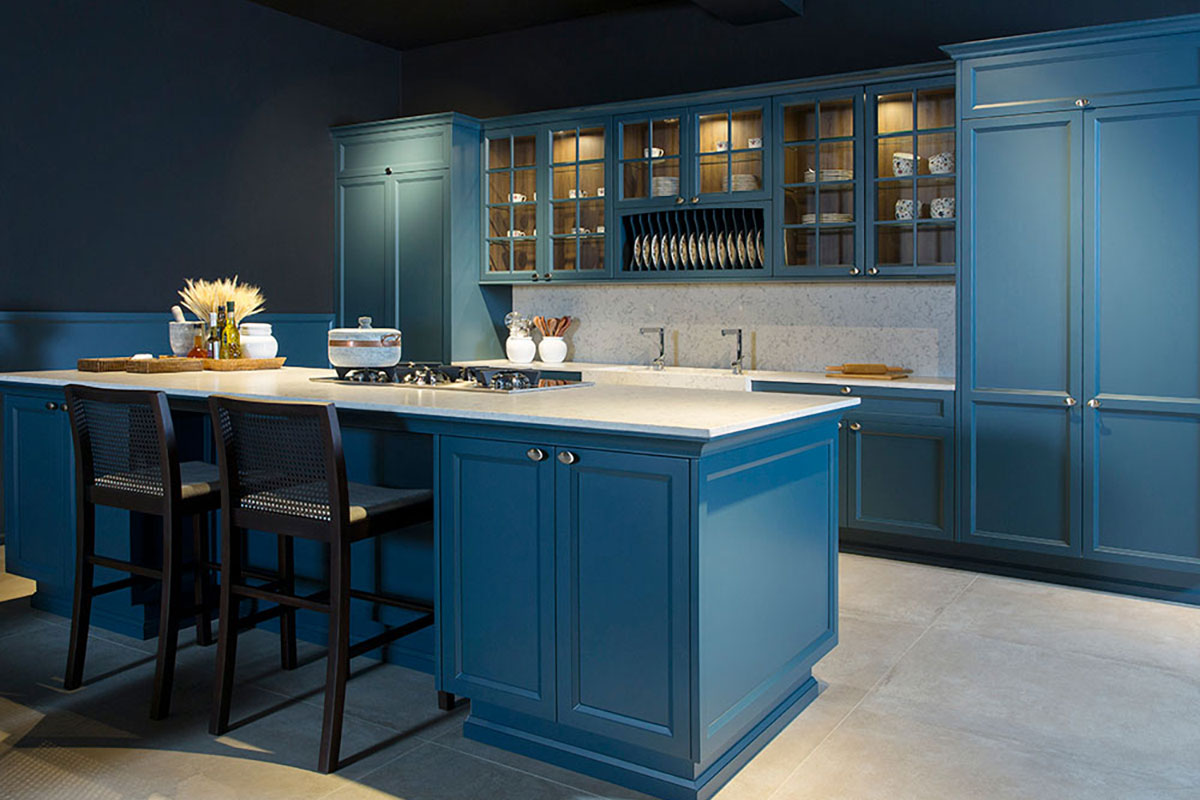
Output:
x=817 y=199
x=578 y=201
x=649 y=159
x=914 y=205
x=511 y=207
x=728 y=147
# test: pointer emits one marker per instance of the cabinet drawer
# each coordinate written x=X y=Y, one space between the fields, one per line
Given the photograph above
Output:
x=1115 y=73
x=926 y=406
x=403 y=150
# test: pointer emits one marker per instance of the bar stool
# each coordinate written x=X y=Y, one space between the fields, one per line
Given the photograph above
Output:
x=284 y=471
x=125 y=457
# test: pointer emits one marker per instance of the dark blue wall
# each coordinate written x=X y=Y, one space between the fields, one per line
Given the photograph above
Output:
x=677 y=47
x=145 y=141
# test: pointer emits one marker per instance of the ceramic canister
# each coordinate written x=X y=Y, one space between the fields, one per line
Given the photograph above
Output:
x=520 y=349
x=942 y=207
x=905 y=208
x=553 y=349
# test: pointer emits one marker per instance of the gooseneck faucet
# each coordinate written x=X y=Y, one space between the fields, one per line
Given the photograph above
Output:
x=736 y=364
x=661 y=359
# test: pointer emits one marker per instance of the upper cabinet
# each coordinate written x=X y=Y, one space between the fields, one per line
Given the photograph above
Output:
x=578 y=201
x=650 y=158
x=511 y=182
x=730 y=151
x=913 y=155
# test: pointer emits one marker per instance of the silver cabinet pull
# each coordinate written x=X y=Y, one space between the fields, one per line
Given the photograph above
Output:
x=1070 y=401
x=535 y=277
x=536 y=454
x=854 y=426
x=696 y=199
x=567 y=457
x=51 y=406
x=1083 y=102
x=846 y=390
x=1093 y=403
x=841 y=424
x=873 y=271
x=679 y=201
x=855 y=271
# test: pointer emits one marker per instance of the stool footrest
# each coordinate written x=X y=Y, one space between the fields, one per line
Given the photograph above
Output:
x=295 y=601
x=392 y=600
x=113 y=586
x=126 y=566
x=390 y=635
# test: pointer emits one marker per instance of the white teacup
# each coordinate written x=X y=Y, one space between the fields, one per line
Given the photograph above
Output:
x=722 y=146
x=600 y=192
x=572 y=193
x=516 y=197
x=905 y=208
x=652 y=152
x=942 y=207
x=903 y=164
x=515 y=232
x=754 y=142
x=941 y=163
x=599 y=229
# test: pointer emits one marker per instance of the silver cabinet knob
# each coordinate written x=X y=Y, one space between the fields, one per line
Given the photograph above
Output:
x=855 y=271
x=52 y=406
x=535 y=277
x=873 y=271
x=536 y=454
x=841 y=424
x=1083 y=102
x=1070 y=401
x=1093 y=403
x=696 y=199
x=678 y=201
x=854 y=426
x=547 y=277
x=567 y=457
x=846 y=390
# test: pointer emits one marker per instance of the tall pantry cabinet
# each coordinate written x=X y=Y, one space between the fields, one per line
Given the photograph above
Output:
x=1079 y=310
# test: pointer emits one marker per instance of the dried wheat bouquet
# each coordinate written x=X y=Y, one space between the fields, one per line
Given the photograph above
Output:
x=202 y=297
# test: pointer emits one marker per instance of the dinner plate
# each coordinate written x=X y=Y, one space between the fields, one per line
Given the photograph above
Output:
x=721 y=250
x=762 y=258
x=741 y=250
x=712 y=251
x=693 y=252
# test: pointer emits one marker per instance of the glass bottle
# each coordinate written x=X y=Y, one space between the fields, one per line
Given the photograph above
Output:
x=213 y=345
x=198 y=345
x=231 y=340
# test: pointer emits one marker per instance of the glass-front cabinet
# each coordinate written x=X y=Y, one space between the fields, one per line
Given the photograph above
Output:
x=578 y=201
x=511 y=209
x=913 y=144
x=818 y=204
x=650 y=156
x=729 y=153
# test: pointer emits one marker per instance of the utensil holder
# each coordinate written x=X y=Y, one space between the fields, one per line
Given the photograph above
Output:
x=552 y=349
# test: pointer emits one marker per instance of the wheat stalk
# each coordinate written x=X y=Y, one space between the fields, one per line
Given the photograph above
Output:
x=202 y=297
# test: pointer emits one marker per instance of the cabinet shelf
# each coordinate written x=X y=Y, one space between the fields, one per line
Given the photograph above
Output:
x=925 y=222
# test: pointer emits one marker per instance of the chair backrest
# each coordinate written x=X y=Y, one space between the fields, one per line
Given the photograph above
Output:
x=281 y=463
x=124 y=442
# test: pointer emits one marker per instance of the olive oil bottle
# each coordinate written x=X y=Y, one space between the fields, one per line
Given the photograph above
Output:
x=212 y=346
x=231 y=340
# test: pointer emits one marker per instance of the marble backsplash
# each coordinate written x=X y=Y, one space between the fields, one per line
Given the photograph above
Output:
x=786 y=326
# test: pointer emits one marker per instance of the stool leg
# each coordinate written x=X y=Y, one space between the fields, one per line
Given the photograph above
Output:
x=227 y=629
x=338 y=666
x=200 y=580
x=81 y=610
x=445 y=701
x=287 y=622
x=168 y=618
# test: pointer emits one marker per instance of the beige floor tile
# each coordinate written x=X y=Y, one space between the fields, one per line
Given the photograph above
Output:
x=13 y=586
x=896 y=590
x=1131 y=629
x=874 y=756
x=768 y=770
x=867 y=648
x=1104 y=711
x=434 y=772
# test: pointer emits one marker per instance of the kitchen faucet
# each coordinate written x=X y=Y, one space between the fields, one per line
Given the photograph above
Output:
x=736 y=364
x=659 y=360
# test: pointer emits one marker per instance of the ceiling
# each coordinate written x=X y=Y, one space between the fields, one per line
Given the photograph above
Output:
x=404 y=24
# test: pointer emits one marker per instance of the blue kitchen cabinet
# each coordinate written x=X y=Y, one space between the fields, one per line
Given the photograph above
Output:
x=407 y=233
x=623 y=597
x=898 y=478
x=1141 y=335
x=39 y=474
x=497 y=565
x=579 y=218
x=514 y=174
x=1020 y=316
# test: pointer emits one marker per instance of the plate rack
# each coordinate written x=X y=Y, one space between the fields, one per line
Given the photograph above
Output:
x=694 y=240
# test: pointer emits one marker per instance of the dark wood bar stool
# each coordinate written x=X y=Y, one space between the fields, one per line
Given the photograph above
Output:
x=126 y=457
x=284 y=471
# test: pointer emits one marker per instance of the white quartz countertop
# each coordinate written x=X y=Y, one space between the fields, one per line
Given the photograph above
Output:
x=648 y=410
x=686 y=377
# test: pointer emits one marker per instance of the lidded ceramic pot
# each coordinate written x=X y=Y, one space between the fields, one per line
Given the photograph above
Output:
x=364 y=346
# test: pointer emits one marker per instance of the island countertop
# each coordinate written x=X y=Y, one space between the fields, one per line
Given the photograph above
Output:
x=696 y=414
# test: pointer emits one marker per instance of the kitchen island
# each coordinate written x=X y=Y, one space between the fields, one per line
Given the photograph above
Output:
x=632 y=582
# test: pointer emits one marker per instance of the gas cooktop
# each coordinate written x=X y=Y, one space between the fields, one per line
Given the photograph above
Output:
x=506 y=380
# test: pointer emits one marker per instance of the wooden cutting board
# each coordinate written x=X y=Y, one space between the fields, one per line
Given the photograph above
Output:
x=116 y=364
x=239 y=364
x=866 y=370
x=887 y=376
x=163 y=364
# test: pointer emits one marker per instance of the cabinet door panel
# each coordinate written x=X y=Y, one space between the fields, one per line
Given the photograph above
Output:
x=497 y=563
x=623 y=620
x=419 y=206
x=1020 y=314
x=898 y=479
x=364 y=261
x=39 y=496
x=1142 y=335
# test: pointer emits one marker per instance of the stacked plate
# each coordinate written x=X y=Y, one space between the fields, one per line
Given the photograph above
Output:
x=742 y=182
x=664 y=185
x=809 y=219
x=810 y=175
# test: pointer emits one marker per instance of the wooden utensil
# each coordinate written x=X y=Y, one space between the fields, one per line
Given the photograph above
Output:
x=116 y=364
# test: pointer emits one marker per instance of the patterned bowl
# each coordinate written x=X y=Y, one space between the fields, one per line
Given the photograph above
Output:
x=941 y=163
x=903 y=164
x=942 y=207
x=905 y=209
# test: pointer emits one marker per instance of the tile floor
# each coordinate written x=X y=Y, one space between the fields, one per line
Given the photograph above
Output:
x=946 y=684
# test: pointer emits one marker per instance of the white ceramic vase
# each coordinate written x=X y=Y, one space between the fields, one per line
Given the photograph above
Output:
x=552 y=349
x=257 y=340
x=520 y=349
